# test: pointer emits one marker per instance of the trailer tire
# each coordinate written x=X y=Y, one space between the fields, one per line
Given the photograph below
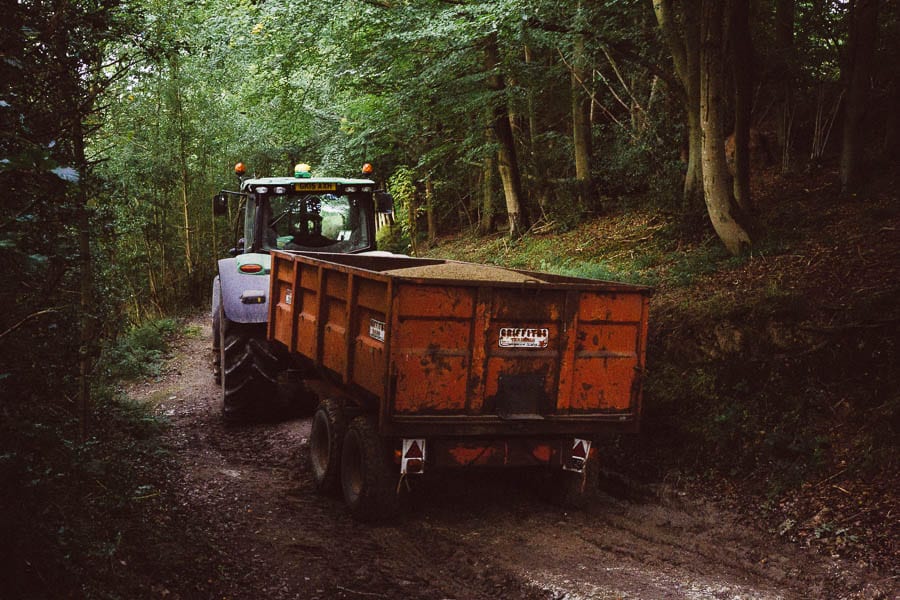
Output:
x=326 y=439
x=249 y=372
x=368 y=475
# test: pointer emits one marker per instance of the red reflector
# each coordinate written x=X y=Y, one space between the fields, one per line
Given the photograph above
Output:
x=579 y=451
x=414 y=450
x=250 y=268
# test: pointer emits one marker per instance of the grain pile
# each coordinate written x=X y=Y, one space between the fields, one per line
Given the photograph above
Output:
x=463 y=271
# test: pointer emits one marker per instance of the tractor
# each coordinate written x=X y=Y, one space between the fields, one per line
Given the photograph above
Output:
x=300 y=213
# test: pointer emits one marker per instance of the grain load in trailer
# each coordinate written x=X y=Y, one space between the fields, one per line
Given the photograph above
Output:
x=427 y=363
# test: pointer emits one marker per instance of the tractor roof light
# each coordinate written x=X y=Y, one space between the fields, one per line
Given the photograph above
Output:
x=302 y=170
x=240 y=169
x=367 y=169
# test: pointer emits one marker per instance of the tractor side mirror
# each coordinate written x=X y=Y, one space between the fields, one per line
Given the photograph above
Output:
x=220 y=204
x=384 y=202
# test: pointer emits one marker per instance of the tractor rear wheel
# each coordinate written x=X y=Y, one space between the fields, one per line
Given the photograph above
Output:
x=368 y=475
x=216 y=346
x=326 y=439
x=249 y=370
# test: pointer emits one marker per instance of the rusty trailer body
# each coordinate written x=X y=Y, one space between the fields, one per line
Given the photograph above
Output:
x=481 y=365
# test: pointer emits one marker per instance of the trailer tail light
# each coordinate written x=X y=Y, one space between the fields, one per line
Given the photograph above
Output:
x=250 y=268
x=412 y=457
x=576 y=460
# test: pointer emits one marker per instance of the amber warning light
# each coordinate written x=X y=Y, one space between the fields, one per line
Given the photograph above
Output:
x=240 y=169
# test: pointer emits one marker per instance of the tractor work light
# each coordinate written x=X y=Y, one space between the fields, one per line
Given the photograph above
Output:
x=280 y=190
x=261 y=189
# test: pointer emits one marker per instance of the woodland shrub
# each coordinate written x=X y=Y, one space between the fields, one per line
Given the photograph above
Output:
x=140 y=351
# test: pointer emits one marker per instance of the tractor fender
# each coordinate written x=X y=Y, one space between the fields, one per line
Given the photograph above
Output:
x=233 y=286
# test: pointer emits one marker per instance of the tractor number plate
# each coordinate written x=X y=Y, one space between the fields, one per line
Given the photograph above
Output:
x=315 y=187
x=524 y=337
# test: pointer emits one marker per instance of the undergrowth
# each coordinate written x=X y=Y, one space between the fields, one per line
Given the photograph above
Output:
x=79 y=518
x=139 y=352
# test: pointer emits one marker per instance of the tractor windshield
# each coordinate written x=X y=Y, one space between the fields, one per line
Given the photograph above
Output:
x=315 y=222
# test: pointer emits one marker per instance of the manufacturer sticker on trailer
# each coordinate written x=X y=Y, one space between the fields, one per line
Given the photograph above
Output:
x=376 y=330
x=524 y=337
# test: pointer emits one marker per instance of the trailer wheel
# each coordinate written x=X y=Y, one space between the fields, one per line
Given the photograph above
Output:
x=368 y=475
x=249 y=372
x=326 y=441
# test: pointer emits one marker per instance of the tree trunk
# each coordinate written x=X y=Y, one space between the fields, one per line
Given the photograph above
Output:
x=488 y=215
x=507 y=164
x=429 y=209
x=87 y=305
x=784 y=45
x=182 y=164
x=742 y=70
x=581 y=123
x=861 y=49
x=715 y=170
x=685 y=49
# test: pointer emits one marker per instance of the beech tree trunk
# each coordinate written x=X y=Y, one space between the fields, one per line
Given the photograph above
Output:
x=861 y=49
x=488 y=215
x=715 y=169
x=742 y=70
x=684 y=45
x=581 y=122
x=429 y=210
x=507 y=164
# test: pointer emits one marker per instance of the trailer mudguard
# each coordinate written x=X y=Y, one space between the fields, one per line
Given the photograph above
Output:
x=244 y=296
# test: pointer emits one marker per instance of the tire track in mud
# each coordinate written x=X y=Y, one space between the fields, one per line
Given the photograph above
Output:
x=463 y=535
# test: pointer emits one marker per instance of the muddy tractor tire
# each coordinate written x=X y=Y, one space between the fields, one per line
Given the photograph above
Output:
x=326 y=439
x=216 y=347
x=249 y=373
x=368 y=475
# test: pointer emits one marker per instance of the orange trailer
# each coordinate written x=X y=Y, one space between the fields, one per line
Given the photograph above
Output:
x=425 y=363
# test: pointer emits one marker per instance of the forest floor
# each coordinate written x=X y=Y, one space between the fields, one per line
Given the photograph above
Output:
x=241 y=520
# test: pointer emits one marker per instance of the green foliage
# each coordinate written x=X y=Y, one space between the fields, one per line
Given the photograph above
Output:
x=402 y=187
x=140 y=352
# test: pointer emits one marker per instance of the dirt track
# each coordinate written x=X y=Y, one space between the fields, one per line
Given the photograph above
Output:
x=464 y=535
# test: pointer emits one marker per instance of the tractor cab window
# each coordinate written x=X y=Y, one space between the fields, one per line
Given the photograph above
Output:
x=316 y=222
